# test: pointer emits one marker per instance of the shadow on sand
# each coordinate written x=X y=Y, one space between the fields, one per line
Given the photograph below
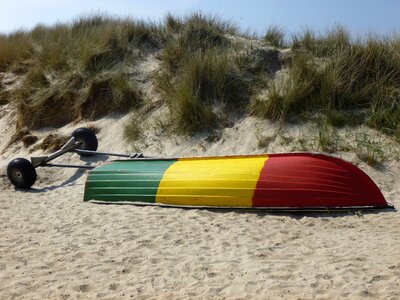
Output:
x=88 y=161
x=261 y=212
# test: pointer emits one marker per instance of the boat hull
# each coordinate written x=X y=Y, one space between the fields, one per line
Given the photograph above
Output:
x=277 y=181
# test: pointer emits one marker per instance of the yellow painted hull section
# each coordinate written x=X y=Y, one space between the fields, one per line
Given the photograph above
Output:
x=211 y=181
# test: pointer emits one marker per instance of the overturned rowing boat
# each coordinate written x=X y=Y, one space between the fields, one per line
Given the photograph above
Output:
x=303 y=181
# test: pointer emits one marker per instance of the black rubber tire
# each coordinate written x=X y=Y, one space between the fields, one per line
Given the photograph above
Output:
x=21 y=173
x=87 y=138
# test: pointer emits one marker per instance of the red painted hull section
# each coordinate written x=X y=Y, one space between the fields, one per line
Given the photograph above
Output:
x=305 y=180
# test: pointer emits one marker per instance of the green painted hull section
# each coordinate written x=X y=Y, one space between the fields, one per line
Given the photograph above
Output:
x=136 y=181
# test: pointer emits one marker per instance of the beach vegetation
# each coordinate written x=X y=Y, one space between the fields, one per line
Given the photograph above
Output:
x=208 y=70
x=275 y=36
x=353 y=76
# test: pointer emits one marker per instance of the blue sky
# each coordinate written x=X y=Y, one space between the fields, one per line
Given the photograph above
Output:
x=360 y=16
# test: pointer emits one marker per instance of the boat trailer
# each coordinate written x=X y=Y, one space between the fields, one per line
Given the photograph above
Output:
x=22 y=172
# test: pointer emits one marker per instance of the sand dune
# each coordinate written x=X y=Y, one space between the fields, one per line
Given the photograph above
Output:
x=54 y=246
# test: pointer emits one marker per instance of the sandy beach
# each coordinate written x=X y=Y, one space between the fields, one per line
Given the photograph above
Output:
x=55 y=246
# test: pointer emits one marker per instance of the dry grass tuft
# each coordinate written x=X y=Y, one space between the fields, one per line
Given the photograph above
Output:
x=17 y=136
x=15 y=48
x=45 y=106
x=108 y=94
x=53 y=142
x=95 y=129
x=4 y=96
x=29 y=140
x=194 y=34
x=133 y=129
x=275 y=36
x=369 y=151
x=206 y=80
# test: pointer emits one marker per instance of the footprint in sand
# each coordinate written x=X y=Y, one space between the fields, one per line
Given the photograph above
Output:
x=83 y=288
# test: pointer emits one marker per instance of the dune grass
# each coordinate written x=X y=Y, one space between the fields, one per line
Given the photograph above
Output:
x=369 y=151
x=79 y=70
x=324 y=44
x=207 y=80
x=195 y=33
x=198 y=54
x=133 y=128
x=358 y=75
x=275 y=36
x=76 y=70
x=202 y=72
x=15 y=48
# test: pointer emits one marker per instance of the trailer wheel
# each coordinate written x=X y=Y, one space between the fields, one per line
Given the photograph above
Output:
x=21 y=173
x=87 y=138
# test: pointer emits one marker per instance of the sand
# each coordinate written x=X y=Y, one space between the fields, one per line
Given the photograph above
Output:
x=55 y=246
